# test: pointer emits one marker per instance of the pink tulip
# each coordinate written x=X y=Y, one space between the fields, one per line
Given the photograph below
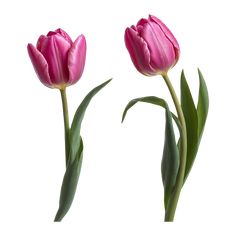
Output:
x=58 y=61
x=152 y=47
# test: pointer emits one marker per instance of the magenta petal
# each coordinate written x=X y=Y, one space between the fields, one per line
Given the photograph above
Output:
x=161 y=49
x=138 y=51
x=168 y=34
x=142 y=22
x=40 y=42
x=76 y=59
x=64 y=35
x=55 y=51
x=40 y=65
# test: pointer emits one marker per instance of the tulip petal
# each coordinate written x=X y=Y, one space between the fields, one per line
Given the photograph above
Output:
x=64 y=35
x=139 y=51
x=76 y=59
x=40 y=42
x=55 y=50
x=40 y=65
x=168 y=34
x=142 y=22
x=161 y=49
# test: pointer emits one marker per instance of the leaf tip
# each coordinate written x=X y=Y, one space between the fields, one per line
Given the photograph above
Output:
x=199 y=73
x=123 y=116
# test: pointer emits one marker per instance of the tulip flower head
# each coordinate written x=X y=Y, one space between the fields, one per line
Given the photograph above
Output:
x=57 y=60
x=152 y=47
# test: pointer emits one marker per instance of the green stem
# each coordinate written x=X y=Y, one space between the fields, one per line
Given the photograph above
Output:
x=173 y=201
x=66 y=122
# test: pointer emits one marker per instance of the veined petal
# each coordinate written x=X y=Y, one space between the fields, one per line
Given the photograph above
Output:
x=40 y=65
x=55 y=50
x=168 y=34
x=76 y=59
x=139 y=52
x=161 y=49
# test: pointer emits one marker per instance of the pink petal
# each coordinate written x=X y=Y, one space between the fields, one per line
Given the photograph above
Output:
x=142 y=22
x=55 y=51
x=161 y=49
x=168 y=34
x=40 y=42
x=138 y=51
x=64 y=35
x=40 y=65
x=76 y=59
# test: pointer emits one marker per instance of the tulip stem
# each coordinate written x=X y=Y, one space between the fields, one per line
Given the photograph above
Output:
x=172 y=204
x=66 y=122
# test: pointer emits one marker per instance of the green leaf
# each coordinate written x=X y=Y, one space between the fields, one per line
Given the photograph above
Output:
x=170 y=159
x=69 y=184
x=153 y=100
x=78 y=117
x=71 y=176
x=191 y=119
x=203 y=104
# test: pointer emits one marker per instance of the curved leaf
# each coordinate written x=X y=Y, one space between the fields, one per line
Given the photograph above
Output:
x=69 y=184
x=153 y=100
x=191 y=119
x=72 y=173
x=195 y=117
x=203 y=104
x=78 y=117
x=170 y=159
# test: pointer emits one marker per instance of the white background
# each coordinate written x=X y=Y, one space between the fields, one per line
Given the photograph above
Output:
x=120 y=190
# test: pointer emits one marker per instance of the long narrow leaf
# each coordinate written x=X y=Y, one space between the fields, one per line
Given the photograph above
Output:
x=170 y=159
x=78 y=117
x=71 y=176
x=203 y=104
x=69 y=184
x=191 y=119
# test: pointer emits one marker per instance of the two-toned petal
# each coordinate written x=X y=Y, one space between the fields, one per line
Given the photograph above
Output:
x=76 y=59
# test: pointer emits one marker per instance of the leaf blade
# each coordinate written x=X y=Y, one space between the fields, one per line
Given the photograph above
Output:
x=203 y=104
x=152 y=100
x=170 y=159
x=72 y=173
x=77 y=120
x=69 y=185
x=191 y=120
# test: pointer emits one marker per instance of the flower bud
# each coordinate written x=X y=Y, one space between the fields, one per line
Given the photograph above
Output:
x=152 y=47
x=57 y=60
